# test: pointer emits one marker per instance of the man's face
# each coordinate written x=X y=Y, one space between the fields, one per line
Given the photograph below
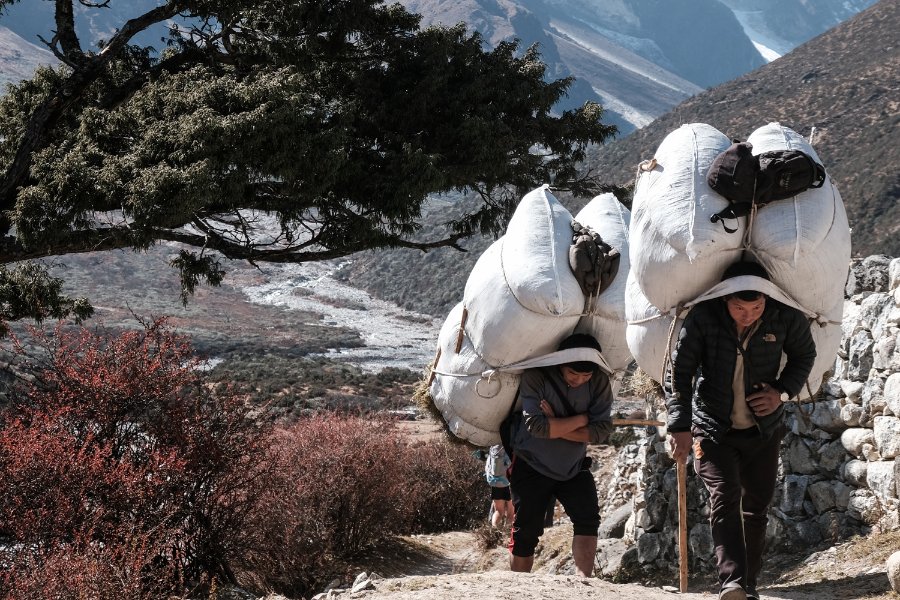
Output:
x=573 y=377
x=745 y=313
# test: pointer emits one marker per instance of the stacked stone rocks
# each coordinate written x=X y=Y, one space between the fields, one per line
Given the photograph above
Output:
x=839 y=470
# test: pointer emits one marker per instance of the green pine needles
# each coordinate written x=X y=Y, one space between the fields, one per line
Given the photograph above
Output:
x=278 y=131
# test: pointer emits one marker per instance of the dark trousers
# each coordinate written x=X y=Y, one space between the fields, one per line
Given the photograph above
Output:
x=740 y=476
x=531 y=492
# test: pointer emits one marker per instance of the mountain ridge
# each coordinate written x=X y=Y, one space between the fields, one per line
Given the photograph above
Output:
x=846 y=84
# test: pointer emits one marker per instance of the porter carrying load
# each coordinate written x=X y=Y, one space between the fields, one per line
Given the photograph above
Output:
x=521 y=300
x=679 y=255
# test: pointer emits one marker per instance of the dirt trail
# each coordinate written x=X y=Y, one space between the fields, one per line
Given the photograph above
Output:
x=450 y=567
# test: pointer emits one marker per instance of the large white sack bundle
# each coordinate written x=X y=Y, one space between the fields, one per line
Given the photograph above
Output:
x=521 y=298
x=472 y=407
x=648 y=331
x=676 y=252
x=803 y=242
x=607 y=323
x=650 y=335
x=474 y=397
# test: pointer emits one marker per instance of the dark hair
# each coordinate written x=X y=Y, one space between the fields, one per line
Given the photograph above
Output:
x=739 y=269
x=581 y=340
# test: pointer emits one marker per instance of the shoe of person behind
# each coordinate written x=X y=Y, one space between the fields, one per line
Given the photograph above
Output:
x=752 y=594
x=733 y=593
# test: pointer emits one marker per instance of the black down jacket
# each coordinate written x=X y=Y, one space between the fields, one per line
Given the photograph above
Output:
x=707 y=350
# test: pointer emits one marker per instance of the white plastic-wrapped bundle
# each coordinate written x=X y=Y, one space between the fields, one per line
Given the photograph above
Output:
x=473 y=407
x=803 y=242
x=474 y=397
x=650 y=335
x=606 y=215
x=521 y=299
x=648 y=330
x=676 y=252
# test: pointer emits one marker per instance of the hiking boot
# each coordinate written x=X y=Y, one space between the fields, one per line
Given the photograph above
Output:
x=752 y=594
x=733 y=593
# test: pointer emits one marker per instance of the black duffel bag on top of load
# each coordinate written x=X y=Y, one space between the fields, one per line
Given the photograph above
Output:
x=745 y=179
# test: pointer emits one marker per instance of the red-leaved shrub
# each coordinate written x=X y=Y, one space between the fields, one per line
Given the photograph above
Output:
x=120 y=437
x=340 y=485
x=344 y=482
x=448 y=488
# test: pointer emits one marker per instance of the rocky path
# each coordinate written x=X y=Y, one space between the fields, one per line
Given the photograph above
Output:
x=449 y=567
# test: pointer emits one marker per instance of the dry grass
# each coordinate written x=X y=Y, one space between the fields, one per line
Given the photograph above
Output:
x=422 y=398
x=488 y=537
x=642 y=385
x=876 y=549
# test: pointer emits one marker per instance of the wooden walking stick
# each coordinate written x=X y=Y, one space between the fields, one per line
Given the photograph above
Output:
x=682 y=523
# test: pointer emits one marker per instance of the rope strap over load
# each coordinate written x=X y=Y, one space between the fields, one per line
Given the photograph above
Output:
x=560 y=357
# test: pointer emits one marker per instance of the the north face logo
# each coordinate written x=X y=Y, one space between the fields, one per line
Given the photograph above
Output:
x=769 y=337
x=785 y=180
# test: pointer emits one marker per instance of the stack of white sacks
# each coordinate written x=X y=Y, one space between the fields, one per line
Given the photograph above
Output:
x=521 y=300
x=679 y=256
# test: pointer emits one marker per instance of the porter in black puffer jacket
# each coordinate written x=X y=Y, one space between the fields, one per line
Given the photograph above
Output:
x=707 y=350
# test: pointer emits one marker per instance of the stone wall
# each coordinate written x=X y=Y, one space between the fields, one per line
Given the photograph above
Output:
x=839 y=470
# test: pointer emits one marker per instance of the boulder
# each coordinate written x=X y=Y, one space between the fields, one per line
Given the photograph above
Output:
x=854 y=439
x=851 y=324
x=870 y=453
x=774 y=532
x=827 y=416
x=803 y=534
x=648 y=546
x=831 y=456
x=832 y=385
x=871 y=310
x=654 y=516
x=897 y=475
x=700 y=541
x=822 y=494
x=793 y=494
x=853 y=390
x=613 y=526
x=860 y=356
x=850 y=414
x=883 y=350
x=871 y=274
x=894 y=277
x=864 y=506
x=892 y=393
x=893 y=571
x=835 y=526
x=801 y=458
x=841 y=495
x=873 y=395
x=613 y=555
x=855 y=473
x=881 y=479
x=887 y=436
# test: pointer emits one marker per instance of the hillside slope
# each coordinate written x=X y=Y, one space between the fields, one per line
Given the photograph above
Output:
x=19 y=58
x=846 y=84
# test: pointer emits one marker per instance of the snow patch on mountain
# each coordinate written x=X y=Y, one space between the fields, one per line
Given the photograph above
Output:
x=629 y=113
x=770 y=48
x=624 y=57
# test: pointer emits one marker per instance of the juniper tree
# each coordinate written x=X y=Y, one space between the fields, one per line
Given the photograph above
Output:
x=275 y=130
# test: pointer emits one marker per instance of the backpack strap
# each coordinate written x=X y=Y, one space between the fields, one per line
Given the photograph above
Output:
x=570 y=410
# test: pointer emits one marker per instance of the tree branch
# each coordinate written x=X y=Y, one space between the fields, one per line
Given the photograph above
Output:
x=65 y=32
x=116 y=238
x=61 y=99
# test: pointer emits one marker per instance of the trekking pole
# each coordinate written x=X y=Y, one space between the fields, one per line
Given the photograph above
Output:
x=682 y=523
